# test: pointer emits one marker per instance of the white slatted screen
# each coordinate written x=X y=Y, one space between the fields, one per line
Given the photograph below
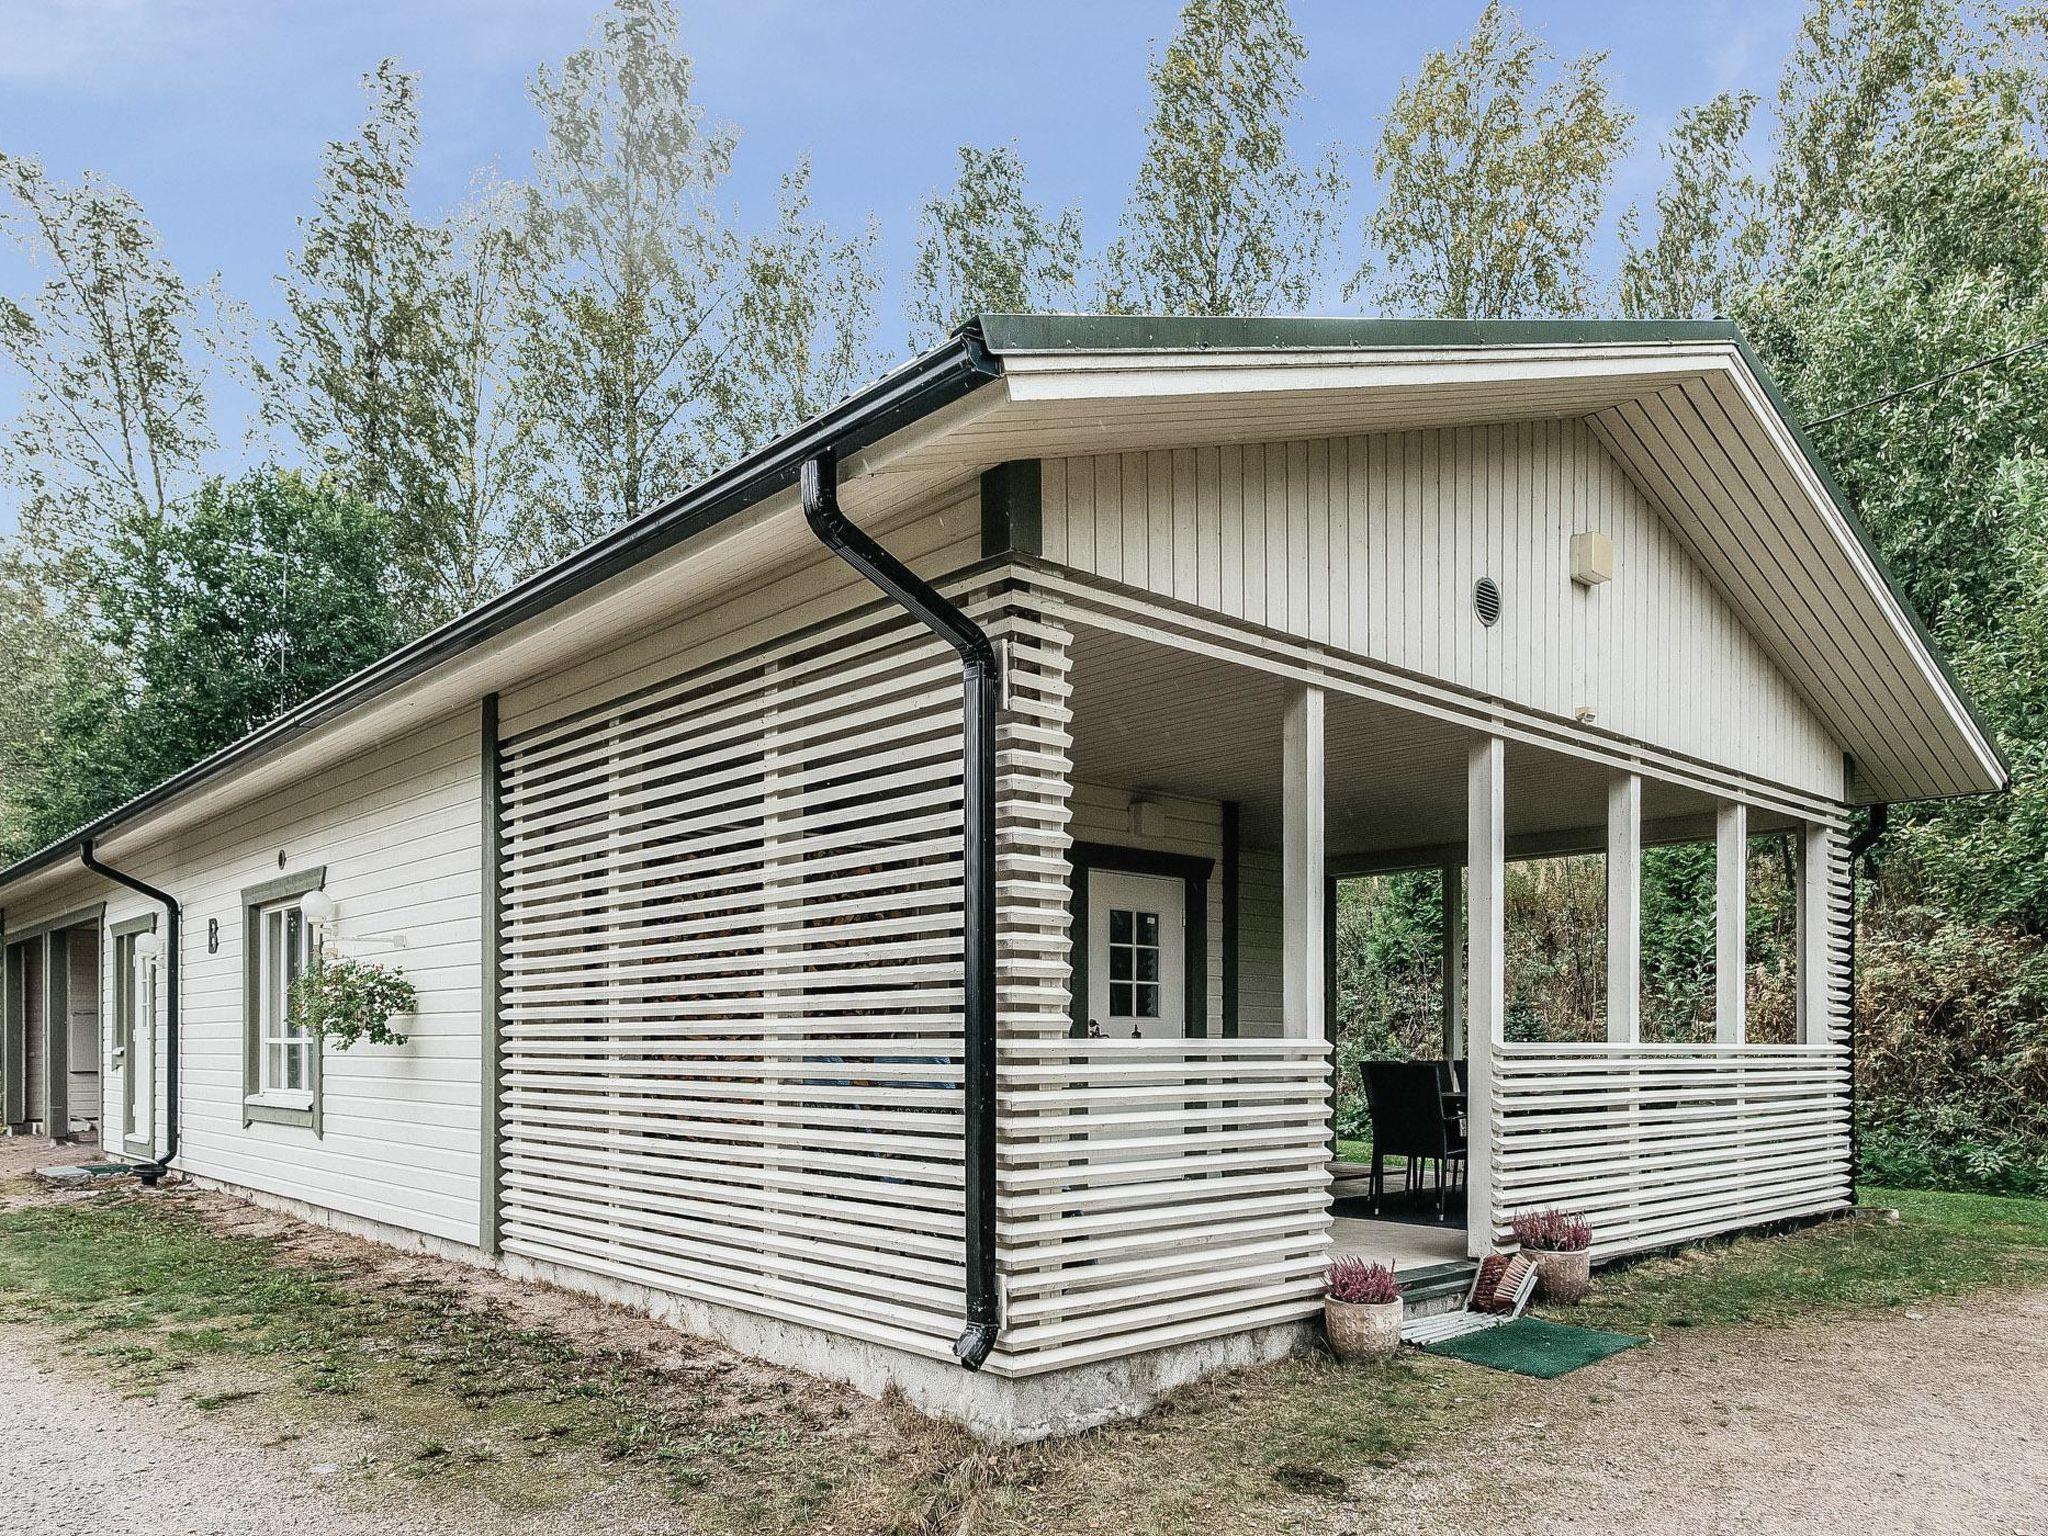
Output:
x=1156 y=1192
x=1661 y=1144
x=732 y=991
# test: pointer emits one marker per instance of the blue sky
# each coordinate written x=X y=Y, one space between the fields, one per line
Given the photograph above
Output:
x=214 y=112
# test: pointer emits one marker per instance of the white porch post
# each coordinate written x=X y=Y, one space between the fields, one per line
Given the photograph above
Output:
x=1624 y=908
x=1486 y=974
x=1731 y=922
x=1301 y=863
x=1452 y=933
x=1814 y=869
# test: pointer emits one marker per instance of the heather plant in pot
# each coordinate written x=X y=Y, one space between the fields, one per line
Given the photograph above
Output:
x=1362 y=1310
x=1561 y=1244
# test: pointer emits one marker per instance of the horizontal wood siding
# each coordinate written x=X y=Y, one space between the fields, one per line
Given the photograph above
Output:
x=1152 y=1192
x=1158 y=1192
x=1372 y=545
x=731 y=985
x=399 y=832
x=1661 y=1144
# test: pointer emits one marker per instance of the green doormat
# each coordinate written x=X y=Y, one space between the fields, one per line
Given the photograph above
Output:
x=1532 y=1347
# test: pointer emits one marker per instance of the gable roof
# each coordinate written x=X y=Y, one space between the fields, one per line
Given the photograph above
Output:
x=1684 y=406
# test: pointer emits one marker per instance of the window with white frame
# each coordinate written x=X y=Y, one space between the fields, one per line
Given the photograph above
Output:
x=283 y=939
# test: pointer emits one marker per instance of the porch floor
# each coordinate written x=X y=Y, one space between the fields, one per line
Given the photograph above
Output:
x=1400 y=1245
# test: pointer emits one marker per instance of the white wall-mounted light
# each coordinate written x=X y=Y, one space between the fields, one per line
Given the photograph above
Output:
x=317 y=907
x=146 y=946
x=1592 y=559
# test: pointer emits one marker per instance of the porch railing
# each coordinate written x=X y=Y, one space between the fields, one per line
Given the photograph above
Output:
x=1660 y=1144
x=1157 y=1192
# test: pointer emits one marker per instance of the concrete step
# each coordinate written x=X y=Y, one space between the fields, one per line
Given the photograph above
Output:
x=1434 y=1288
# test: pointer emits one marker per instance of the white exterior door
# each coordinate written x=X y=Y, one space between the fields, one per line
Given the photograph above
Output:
x=1137 y=945
x=135 y=1040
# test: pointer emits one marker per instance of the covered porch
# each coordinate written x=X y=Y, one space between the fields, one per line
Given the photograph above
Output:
x=1243 y=776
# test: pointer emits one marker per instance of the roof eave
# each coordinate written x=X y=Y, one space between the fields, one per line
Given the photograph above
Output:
x=897 y=400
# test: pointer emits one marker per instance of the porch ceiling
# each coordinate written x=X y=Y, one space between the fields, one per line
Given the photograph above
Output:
x=1149 y=717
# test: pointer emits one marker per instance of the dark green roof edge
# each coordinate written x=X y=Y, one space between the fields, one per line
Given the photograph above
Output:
x=1311 y=333
x=1007 y=333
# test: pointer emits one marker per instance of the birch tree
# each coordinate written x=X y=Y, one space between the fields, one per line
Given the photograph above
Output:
x=361 y=379
x=1223 y=219
x=488 y=436
x=1494 y=171
x=112 y=420
x=801 y=327
x=620 y=324
x=1846 y=89
x=983 y=245
x=1706 y=244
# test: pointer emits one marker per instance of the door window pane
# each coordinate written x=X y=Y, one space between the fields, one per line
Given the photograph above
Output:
x=1133 y=958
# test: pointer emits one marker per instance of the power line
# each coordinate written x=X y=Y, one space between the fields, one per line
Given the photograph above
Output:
x=1929 y=383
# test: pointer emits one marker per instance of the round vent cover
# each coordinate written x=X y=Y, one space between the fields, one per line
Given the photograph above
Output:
x=1486 y=599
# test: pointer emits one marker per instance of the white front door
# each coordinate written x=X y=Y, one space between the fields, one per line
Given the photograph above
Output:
x=135 y=1040
x=1137 y=944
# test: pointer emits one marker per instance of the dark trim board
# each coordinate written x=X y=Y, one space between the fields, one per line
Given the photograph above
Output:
x=1013 y=509
x=253 y=897
x=493 y=807
x=1193 y=872
x=1233 y=841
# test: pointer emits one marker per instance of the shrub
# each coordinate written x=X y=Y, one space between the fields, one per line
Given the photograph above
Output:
x=1553 y=1231
x=1952 y=1052
x=1353 y=1280
x=350 y=1001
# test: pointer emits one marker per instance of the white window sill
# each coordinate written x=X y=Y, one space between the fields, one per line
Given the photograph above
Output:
x=280 y=1099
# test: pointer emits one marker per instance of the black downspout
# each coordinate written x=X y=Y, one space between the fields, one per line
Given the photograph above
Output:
x=149 y=1173
x=820 y=479
x=1859 y=845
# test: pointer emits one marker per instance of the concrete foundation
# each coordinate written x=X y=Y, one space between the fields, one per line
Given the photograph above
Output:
x=1005 y=1410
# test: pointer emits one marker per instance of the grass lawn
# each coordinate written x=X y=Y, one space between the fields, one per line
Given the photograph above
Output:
x=461 y=1400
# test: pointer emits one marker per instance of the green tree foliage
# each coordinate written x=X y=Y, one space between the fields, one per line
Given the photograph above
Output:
x=486 y=434
x=392 y=370
x=984 y=246
x=620 y=328
x=1710 y=232
x=1222 y=219
x=256 y=595
x=1846 y=88
x=1493 y=174
x=264 y=591
x=803 y=319
x=113 y=420
x=55 y=683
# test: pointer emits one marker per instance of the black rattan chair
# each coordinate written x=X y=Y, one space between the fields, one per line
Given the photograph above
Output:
x=1410 y=1120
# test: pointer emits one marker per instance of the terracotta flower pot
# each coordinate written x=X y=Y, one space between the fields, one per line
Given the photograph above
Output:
x=1362 y=1330
x=1565 y=1277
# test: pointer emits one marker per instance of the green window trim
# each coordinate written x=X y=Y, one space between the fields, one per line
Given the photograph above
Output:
x=255 y=1111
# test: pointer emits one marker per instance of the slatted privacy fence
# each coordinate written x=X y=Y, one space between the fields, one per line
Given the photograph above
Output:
x=1157 y=1192
x=731 y=985
x=1659 y=1144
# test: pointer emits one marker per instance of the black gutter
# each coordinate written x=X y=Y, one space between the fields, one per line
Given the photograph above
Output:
x=978 y=876
x=1859 y=845
x=946 y=374
x=174 y=965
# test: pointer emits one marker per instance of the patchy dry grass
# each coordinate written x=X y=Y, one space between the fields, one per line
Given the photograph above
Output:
x=1942 y=1245
x=454 y=1391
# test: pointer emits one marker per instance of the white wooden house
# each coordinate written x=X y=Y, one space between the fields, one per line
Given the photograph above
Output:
x=760 y=893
